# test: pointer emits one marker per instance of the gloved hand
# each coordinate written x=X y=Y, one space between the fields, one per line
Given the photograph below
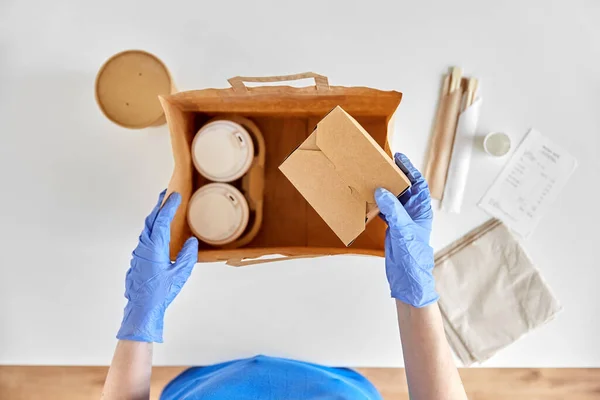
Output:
x=152 y=281
x=408 y=256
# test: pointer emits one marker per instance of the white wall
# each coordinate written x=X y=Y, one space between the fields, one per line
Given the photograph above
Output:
x=76 y=187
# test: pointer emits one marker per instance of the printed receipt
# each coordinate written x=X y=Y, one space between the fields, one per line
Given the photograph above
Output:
x=529 y=183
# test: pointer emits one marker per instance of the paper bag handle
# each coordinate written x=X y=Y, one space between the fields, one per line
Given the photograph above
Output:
x=237 y=82
x=244 y=262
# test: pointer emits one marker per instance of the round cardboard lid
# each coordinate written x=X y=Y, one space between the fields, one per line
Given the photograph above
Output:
x=218 y=213
x=222 y=151
x=128 y=86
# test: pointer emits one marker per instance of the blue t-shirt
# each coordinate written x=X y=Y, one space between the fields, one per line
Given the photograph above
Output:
x=269 y=378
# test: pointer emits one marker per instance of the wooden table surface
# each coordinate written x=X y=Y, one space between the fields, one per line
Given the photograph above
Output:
x=81 y=383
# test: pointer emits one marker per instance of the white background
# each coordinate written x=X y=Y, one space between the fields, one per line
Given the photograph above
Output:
x=76 y=188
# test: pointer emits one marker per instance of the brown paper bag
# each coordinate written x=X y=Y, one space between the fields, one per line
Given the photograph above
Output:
x=490 y=292
x=285 y=116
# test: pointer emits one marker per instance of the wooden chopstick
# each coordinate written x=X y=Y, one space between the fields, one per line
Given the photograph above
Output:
x=471 y=92
x=455 y=77
x=475 y=88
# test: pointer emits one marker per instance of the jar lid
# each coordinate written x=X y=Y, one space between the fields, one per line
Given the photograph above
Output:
x=218 y=213
x=128 y=86
x=222 y=151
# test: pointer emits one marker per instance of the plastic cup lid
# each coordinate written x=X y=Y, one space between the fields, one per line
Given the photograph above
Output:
x=128 y=86
x=222 y=151
x=218 y=213
x=497 y=144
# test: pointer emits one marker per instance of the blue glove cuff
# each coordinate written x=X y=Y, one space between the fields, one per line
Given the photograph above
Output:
x=142 y=325
x=426 y=299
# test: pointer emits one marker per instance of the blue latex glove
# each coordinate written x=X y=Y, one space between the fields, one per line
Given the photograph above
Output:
x=408 y=256
x=152 y=281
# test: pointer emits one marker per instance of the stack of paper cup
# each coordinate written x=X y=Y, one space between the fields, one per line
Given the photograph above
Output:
x=222 y=151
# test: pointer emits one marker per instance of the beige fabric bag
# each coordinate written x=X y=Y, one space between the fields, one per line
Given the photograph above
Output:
x=490 y=292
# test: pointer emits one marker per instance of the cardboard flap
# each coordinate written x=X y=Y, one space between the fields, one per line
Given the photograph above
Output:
x=360 y=162
x=337 y=169
x=317 y=179
x=358 y=159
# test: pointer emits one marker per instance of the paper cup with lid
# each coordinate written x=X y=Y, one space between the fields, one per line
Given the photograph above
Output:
x=222 y=151
x=128 y=86
x=218 y=213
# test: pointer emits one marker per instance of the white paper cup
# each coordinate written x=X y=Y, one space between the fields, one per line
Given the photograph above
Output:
x=218 y=213
x=222 y=151
x=496 y=144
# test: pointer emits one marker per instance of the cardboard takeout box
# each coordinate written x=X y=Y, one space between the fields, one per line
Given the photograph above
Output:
x=337 y=170
x=286 y=116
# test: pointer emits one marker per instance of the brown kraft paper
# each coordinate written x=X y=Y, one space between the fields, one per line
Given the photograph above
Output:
x=442 y=141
